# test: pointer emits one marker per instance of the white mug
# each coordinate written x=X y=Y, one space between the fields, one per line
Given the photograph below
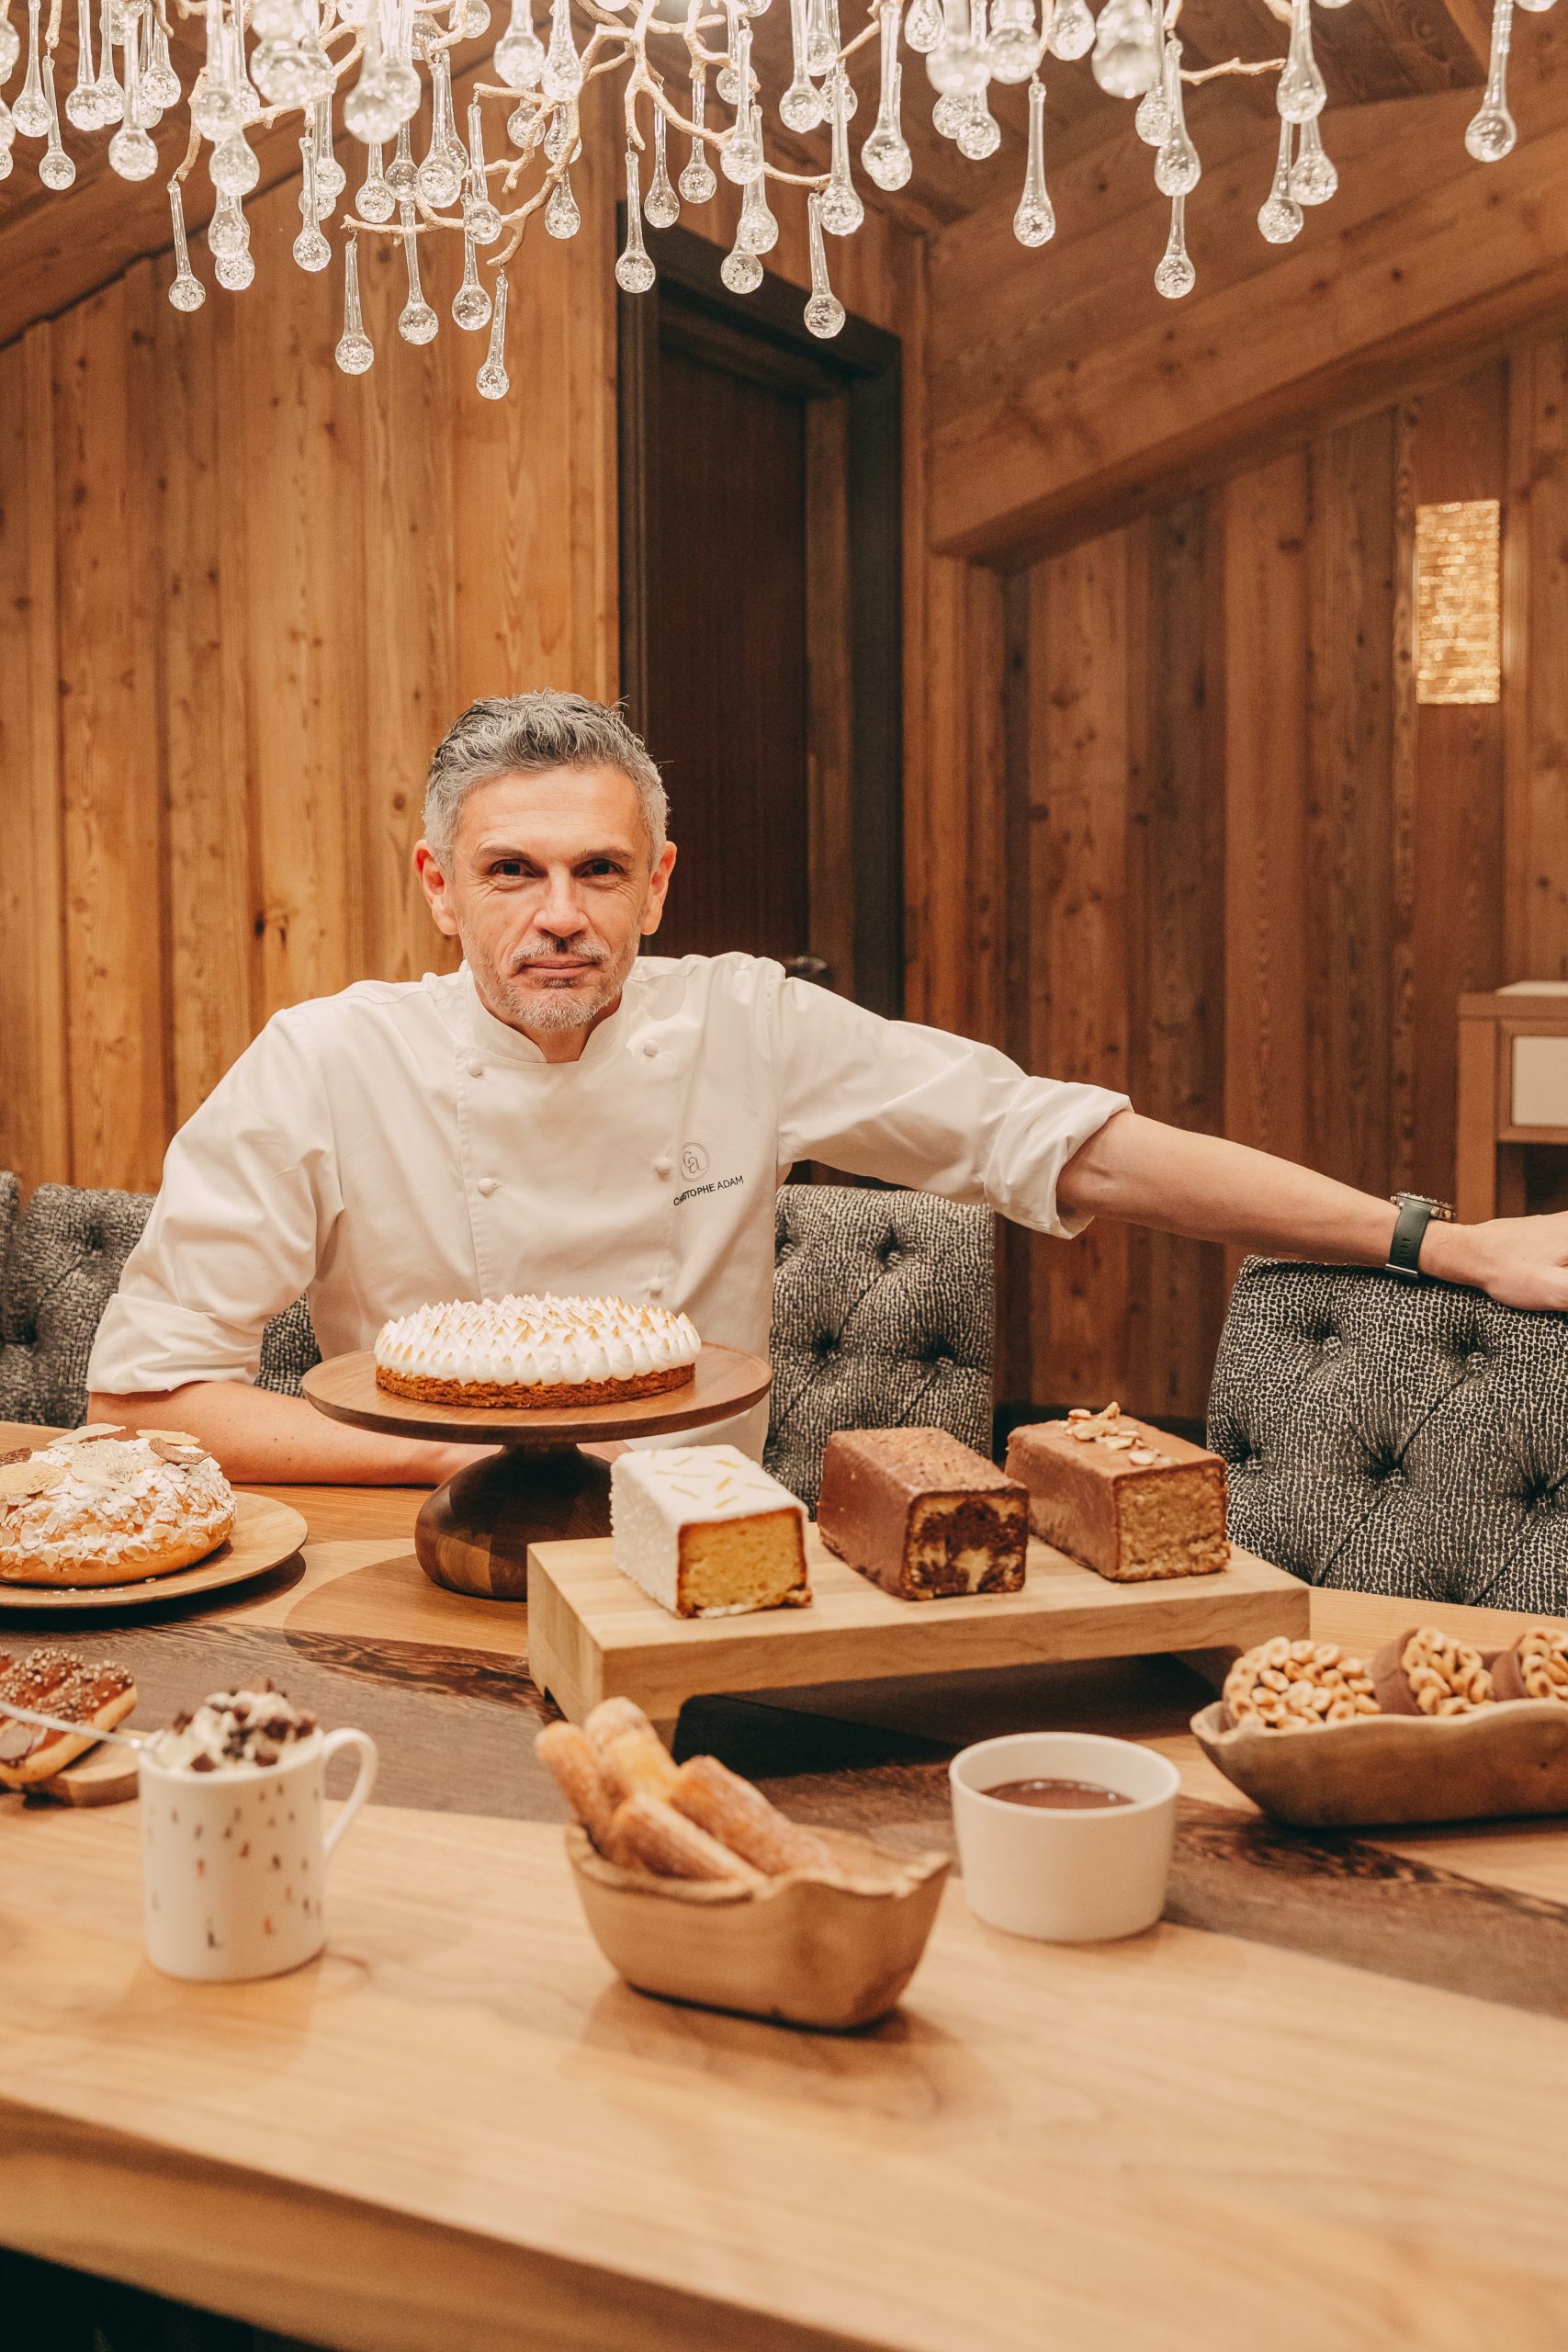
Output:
x=234 y=1863
x=1078 y=1876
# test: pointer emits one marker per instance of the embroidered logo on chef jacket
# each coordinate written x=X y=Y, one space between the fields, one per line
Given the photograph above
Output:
x=694 y=1161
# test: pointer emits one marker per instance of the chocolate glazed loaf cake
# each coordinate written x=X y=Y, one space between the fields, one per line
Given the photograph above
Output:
x=920 y=1515
x=1132 y=1502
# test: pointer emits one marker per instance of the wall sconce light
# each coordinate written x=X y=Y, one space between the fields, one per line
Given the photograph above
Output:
x=1458 y=633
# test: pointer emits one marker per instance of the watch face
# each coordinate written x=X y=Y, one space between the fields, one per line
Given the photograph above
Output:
x=1422 y=1200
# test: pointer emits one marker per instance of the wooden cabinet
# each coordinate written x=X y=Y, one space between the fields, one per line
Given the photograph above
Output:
x=1513 y=1095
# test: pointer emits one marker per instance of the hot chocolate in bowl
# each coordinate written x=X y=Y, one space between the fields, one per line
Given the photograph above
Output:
x=1054 y=1795
x=1065 y=1836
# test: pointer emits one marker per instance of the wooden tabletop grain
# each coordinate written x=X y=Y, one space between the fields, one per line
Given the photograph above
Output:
x=1318 y=2106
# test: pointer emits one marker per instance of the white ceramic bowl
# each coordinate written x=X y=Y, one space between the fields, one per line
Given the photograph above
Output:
x=1068 y=1876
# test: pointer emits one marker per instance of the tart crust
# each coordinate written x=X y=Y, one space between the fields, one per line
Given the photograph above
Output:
x=536 y=1398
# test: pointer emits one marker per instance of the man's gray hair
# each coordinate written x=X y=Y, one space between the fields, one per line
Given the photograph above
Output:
x=526 y=734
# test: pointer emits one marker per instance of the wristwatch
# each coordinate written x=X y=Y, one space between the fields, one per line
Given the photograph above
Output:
x=1416 y=1214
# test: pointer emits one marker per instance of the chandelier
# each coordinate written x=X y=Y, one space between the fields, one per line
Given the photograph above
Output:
x=268 y=60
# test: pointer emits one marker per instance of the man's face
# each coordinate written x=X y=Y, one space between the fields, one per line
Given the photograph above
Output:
x=549 y=886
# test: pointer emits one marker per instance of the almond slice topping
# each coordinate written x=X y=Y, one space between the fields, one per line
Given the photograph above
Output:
x=18 y=1480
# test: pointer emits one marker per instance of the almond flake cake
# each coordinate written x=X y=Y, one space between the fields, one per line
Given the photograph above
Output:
x=535 y=1351
x=105 y=1506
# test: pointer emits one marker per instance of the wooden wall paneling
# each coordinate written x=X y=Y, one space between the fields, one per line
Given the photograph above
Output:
x=305 y=625
x=1405 y=1047
x=1176 y=935
x=215 y=948
x=1020 y=1254
x=955 y=908
x=1081 y=753
x=107 y=455
x=35 y=1098
x=1418 y=261
x=409 y=592
x=1349 y=841
x=1535 y=660
x=1262 y=525
x=1458 y=449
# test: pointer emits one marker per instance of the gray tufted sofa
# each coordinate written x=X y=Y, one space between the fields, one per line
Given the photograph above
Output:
x=882 y=1313
x=1388 y=1439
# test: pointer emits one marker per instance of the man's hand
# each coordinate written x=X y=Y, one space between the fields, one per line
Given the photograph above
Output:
x=1140 y=1172
x=1520 y=1261
x=266 y=1440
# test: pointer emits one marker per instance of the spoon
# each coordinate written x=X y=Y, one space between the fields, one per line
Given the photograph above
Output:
x=73 y=1731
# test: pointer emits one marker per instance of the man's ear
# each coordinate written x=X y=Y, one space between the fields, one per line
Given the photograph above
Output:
x=658 y=884
x=433 y=881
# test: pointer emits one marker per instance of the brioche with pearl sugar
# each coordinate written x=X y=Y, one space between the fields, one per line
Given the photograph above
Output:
x=109 y=1505
x=535 y=1351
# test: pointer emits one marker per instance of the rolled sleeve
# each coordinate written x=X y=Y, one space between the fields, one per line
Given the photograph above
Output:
x=236 y=1232
x=918 y=1106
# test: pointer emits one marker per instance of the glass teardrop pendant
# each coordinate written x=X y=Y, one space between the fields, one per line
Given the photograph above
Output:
x=354 y=350
x=1034 y=223
x=634 y=273
x=1176 y=275
x=492 y=379
x=824 y=311
x=187 y=292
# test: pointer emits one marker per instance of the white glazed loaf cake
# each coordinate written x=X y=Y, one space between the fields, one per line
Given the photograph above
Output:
x=535 y=1351
x=707 y=1533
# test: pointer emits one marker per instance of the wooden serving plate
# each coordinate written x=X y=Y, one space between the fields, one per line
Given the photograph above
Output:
x=473 y=1534
x=797 y=1950
x=593 y=1634
x=1384 y=1770
x=265 y=1535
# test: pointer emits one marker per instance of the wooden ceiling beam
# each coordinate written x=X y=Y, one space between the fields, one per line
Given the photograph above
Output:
x=1063 y=393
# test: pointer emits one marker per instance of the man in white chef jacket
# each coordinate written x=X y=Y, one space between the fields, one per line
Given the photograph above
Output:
x=566 y=1115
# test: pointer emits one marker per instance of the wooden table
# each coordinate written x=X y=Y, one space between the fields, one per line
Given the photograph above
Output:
x=1320 y=2105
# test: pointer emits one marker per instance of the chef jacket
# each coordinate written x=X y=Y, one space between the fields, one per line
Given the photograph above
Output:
x=397 y=1143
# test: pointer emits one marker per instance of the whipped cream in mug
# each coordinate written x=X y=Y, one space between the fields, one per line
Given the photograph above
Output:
x=234 y=1731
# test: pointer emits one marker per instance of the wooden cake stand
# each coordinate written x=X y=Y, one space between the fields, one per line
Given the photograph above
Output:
x=473 y=1534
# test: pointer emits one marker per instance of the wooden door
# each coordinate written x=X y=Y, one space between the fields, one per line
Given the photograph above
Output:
x=725 y=713
x=761 y=618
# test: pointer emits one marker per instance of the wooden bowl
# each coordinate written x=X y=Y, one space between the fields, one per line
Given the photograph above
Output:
x=797 y=1950
x=1381 y=1770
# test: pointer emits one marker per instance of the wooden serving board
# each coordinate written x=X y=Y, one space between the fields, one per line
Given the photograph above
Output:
x=593 y=1634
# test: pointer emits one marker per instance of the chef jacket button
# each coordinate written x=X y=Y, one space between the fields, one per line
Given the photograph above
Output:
x=648 y=1047
x=661 y=1166
x=487 y=1185
x=475 y=1069
x=656 y=1288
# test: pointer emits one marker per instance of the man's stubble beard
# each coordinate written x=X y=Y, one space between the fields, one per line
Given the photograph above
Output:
x=535 y=1004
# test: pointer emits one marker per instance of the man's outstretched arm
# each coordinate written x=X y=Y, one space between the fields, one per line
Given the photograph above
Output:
x=266 y=1440
x=1138 y=1172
